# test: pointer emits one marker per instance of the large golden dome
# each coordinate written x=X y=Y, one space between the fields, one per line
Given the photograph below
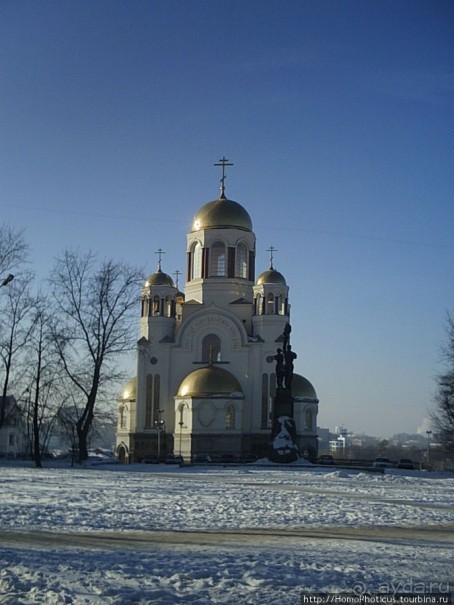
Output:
x=222 y=214
x=210 y=380
x=301 y=387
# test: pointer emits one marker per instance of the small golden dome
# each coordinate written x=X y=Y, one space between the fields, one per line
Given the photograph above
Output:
x=210 y=380
x=159 y=279
x=301 y=387
x=271 y=277
x=129 y=390
x=222 y=214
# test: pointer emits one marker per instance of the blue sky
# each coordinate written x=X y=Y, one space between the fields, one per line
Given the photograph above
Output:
x=338 y=117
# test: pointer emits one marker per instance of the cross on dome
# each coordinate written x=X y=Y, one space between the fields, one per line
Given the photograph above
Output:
x=177 y=275
x=223 y=162
x=160 y=252
x=271 y=249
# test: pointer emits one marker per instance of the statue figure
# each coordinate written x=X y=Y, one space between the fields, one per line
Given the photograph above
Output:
x=280 y=370
x=289 y=357
x=286 y=335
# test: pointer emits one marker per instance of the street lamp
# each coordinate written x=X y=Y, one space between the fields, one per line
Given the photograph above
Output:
x=159 y=425
x=428 y=433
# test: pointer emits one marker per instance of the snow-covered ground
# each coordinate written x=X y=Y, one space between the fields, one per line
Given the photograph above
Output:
x=160 y=534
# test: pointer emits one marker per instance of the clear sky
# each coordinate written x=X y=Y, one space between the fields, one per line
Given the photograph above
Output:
x=338 y=116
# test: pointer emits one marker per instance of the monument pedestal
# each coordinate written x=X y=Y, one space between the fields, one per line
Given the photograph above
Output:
x=283 y=447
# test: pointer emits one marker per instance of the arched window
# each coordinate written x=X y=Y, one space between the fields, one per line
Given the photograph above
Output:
x=211 y=348
x=168 y=306
x=145 y=303
x=281 y=305
x=156 y=305
x=230 y=416
x=217 y=261
x=241 y=269
x=270 y=304
x=196 y=269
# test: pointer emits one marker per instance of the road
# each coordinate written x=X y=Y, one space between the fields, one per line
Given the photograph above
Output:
x=141 y=540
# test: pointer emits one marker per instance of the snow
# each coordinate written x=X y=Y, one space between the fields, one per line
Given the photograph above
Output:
x=144 y=534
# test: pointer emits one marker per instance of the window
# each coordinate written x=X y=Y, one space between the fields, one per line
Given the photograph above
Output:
x=241 y=269
x=211 y=348
x=156 y=305
x=230 y=417
x=196 y=269
x=168 y=307
x=281 y=305
x=144 y=307
x=270 y=304
x=258 y=305
x=217 y=262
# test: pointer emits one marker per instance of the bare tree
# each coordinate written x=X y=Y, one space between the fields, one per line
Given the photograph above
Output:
x=15 y=328
x=13 y=251
x=443 y=416
x=93 y=326
x=45 y=389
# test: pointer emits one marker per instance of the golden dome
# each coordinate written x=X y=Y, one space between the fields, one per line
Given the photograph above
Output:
x=210 y=380
x=129 y=390
x=271 y=277
x=222 y=214
x=159 y=279
x=301 y=387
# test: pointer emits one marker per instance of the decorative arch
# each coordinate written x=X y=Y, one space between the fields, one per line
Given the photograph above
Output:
x=122 y=453
x=211 y=348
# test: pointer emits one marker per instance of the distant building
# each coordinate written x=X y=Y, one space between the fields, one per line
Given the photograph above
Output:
x=12 y=433
x=205 y=375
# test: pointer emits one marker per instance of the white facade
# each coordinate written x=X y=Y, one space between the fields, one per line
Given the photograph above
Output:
x=204 y=380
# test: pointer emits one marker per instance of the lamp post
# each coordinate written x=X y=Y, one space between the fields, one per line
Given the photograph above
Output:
x=428 y=433
x=159 y=423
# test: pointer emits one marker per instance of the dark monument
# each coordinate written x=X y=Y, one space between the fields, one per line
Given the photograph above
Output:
x=283 y=447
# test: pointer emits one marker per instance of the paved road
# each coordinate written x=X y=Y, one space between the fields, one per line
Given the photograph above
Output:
x=141 y=540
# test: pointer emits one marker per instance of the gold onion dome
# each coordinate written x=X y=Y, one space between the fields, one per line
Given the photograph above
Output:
x=301 y=387
x=210 y=380
x=271 y=277
x=159 y=279
x=222 y=214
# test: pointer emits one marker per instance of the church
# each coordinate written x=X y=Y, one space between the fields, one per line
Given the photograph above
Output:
x=206 y=377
